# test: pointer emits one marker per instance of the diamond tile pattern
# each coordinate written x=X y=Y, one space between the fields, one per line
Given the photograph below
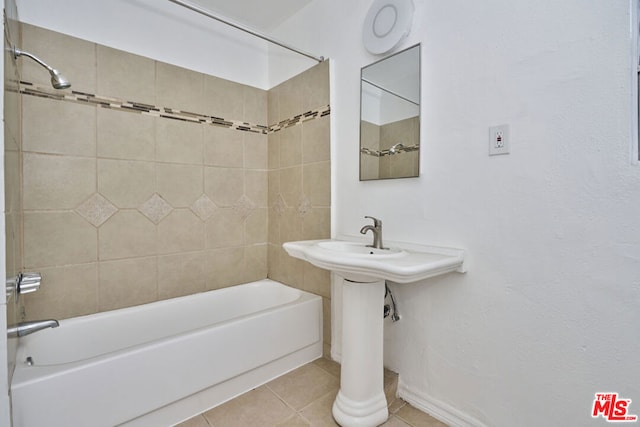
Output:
x=96 y=209
x=304 y=205
x=244 y=206
x=203 y=207
x=156 y=208
x=280 y=206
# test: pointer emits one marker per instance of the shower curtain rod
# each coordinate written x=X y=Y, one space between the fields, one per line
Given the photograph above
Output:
x=245 y=29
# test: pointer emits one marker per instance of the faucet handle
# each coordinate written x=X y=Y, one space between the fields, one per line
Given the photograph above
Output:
x=376 y=222
x=28 y=282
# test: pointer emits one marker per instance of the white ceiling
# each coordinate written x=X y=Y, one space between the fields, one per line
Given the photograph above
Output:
x=261 y=15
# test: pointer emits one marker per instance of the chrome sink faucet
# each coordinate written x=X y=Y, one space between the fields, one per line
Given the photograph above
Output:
x=376 y=228
x=25 y=328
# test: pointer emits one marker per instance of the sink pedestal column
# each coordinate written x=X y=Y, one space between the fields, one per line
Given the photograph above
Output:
x=361 y=401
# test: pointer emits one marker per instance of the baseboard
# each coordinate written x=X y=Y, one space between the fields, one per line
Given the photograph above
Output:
x=437 y=409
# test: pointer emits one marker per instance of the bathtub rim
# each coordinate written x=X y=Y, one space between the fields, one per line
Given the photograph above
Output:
x=21 y=353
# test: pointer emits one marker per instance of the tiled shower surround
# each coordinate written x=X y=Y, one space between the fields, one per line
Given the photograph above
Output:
x=147 y=181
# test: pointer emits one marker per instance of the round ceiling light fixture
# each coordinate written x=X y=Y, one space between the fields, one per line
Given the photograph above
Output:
x=387 y=23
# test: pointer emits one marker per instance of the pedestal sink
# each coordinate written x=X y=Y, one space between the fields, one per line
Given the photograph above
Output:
x=361 y=401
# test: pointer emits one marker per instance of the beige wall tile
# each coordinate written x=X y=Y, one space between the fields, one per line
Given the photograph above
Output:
x=127 y=234
x=181 y=274
x=255 y=262
x=73 y=57
x=225 y=228
x=273 y=184
x=317 y=280
x=315 y=140
x=223 y=147
x=126 y=283
x=57 y=182
x=273 y=105
x=58 y=238
x=255 y=150
x=13 y=243
x=224 y=185
x=221 y=267
x=57 y=127
x=315 y=87
x=290 y=225
x=257 y=187
x=274 y=266
x=291 y=185
x=290 y=98
x=255 y=105
x=67 y=291
x=12 y=106
x=125 y=76
x=317 y=224
x=273 y=153
x=223 y=98
x=316 y=179
x=180 y=185
x=256 y=227
x=291 y=146
x=179 y=142
x=292 y=269
x=274 y=228
x=138 y=156
x=123 y=135
x=127 y=184
x=179 y=88
x=180 y=231
x=12 y=181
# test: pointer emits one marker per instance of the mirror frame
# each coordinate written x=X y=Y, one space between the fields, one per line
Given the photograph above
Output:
x=404 y=148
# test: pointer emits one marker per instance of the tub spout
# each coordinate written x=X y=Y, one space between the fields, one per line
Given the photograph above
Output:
x=25 y=328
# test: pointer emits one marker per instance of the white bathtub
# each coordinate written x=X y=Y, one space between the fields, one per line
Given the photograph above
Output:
x=161 y=363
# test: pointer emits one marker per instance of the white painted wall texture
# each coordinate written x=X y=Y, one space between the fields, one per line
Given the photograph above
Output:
x=548 y=313
x=160 y=30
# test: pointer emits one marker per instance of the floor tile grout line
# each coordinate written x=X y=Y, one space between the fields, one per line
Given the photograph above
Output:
x=287 y=404
x=298 y=412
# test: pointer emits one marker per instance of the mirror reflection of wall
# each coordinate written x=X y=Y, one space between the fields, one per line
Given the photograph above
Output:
x=390 y=117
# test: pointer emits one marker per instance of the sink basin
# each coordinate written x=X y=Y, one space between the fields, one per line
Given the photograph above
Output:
x=359 y=249
x=355 y=261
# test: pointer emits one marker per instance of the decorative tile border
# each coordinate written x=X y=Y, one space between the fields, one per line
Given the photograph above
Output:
x=300 y=118
x=28 y=88
x=382 y=153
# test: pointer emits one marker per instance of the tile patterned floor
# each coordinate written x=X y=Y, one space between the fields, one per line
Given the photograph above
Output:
x=303 y=398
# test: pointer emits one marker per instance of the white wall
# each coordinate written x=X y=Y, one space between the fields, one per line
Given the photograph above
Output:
x=159 y=30
x=549 y=312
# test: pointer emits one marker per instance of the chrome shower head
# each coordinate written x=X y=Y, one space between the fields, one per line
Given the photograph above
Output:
x=396 y=148
x=58 y=81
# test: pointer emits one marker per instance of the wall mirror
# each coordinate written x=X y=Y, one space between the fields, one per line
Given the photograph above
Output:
x=390 y=117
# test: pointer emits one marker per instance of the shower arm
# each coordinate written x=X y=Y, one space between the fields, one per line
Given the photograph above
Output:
x=17 y=52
